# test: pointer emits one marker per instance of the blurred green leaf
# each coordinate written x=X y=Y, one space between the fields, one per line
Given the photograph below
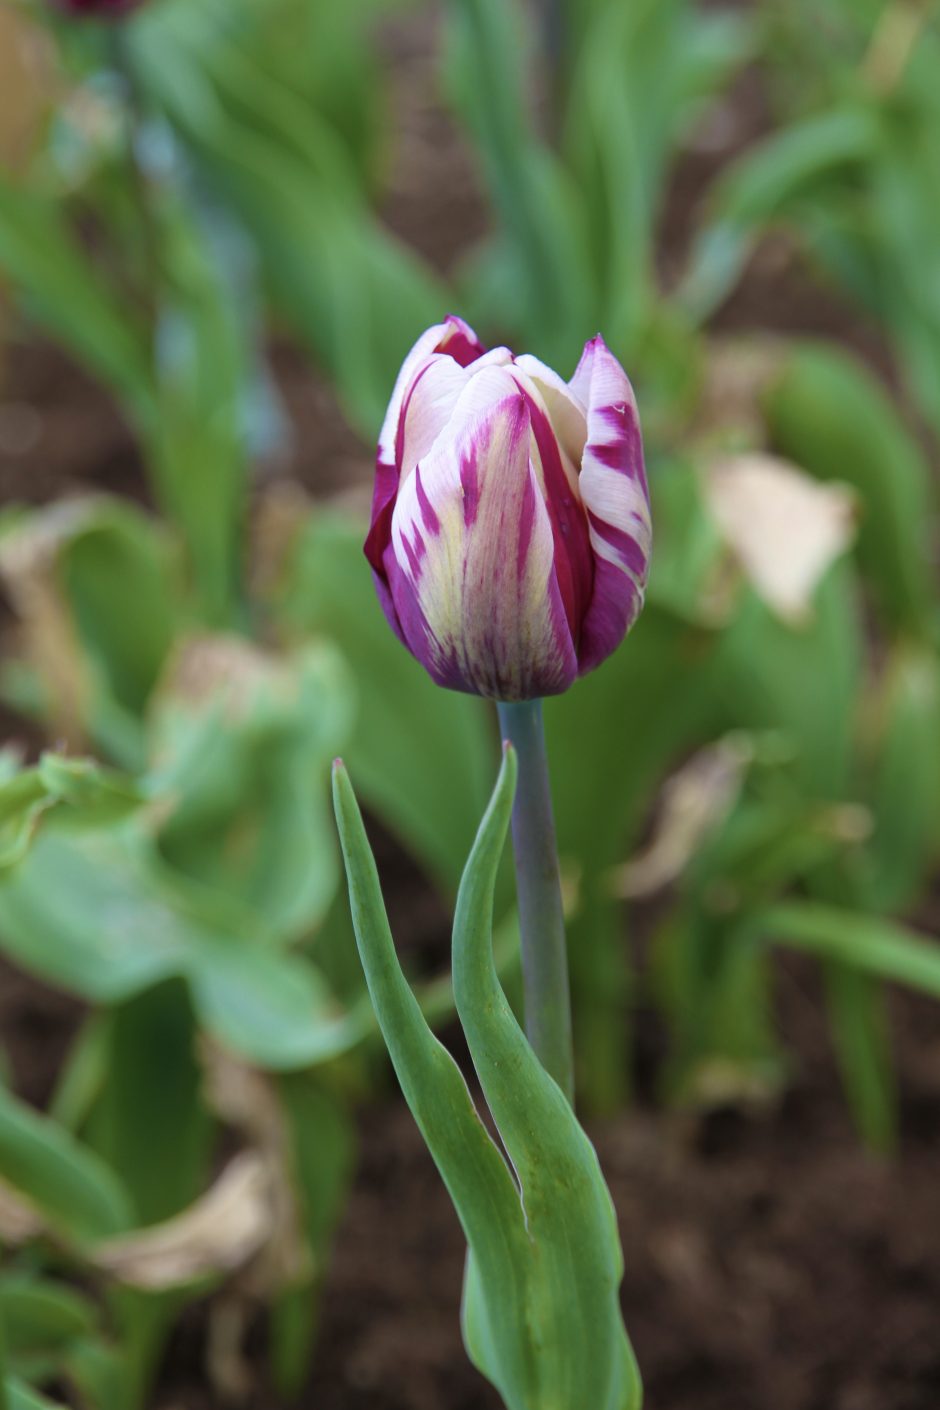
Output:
x=197 y=441
x=641 y=70
x=79 y=1196
x=757 y=189
x=905 y=787
x=97 y=586
x=120 y=579
x=321 y=1141
x=869 y=944
x=802 y=679
x=149 y=1121
x=70 y=297
x=356 y=295
x=831 y=416
x=534 y=197
x=93 y=916
x=78 y=791
x=23 y=1397
x=859 y=1023
x=42 y=1319
x=242 y=742
x=409 y=735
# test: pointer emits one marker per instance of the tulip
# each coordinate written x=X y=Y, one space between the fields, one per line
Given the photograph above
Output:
x=510 y=535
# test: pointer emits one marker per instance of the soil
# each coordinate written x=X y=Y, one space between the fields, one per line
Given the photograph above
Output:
x=771 y=1263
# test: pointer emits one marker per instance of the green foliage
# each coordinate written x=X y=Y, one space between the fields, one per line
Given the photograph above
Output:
x=93 y=915
x=541 y=1313
x=150 y=1122
x=75 y=790
x=356 y=296
x=403 y=743
x=830 y=416
x=243 y=753
x=44 y=261
x=61 y=1179
x=191 y=900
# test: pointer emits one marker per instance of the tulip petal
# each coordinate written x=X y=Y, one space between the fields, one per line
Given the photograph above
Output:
x=564 y=407
x=427 y=409
x=470 y=565
x=458 y=340
x=558 y=483
x=615 y=494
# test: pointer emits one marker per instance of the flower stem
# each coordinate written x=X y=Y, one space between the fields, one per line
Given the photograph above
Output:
x=538 y=885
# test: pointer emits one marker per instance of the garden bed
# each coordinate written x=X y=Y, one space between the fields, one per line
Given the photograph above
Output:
x=771 y=1263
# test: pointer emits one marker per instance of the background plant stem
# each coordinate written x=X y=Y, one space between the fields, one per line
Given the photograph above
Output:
x=538 y=884
x=122 y=62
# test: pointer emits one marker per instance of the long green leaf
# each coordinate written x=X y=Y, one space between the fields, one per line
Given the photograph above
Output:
x=541 y=1311
x=881 y=948
x=72 y=1189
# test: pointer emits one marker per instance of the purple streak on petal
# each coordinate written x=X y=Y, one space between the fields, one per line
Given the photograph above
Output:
x=415 y=551
x=380 y=532
x=431 y=521
x=614 y=489
x=616 y=606
x=574 y=566
x=387 y=604
x=470 y=486
x=526 y=524
x=627 y=547
x=624 y=452
x=458 y=338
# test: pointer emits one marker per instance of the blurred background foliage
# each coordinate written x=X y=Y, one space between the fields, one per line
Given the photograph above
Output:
x=182 y=196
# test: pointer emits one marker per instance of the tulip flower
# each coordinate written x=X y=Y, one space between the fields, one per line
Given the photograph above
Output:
x=510 y=534
x=510 y=544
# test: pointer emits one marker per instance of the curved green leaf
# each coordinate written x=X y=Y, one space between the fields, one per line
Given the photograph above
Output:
x=74 y=1191
x=541 y=1312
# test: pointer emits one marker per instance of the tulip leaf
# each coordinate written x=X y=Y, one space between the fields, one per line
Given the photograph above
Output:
x=541 y=1311
x=150 y=1121
x=831 y=416
x=758 y=189
x=92 y=915
x=22 y=1397
x=49 y=269
x=533 y=195
x=68 y=1186
x=869 y=944
x=78 y=791
x=41 y=1320
x=905 y=787
x=246 y=764
x=358 y=296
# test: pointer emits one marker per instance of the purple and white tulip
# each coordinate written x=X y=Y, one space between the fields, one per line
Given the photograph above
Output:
x=510 y=537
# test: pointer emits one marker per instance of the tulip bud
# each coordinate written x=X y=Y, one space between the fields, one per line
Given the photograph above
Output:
x=510 y=535
x=96 y=9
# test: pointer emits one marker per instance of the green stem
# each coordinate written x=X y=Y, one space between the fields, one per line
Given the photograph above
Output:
x=538 y=884
x=123 y=64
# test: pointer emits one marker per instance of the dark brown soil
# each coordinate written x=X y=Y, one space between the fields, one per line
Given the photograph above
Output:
x=770 y=1263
